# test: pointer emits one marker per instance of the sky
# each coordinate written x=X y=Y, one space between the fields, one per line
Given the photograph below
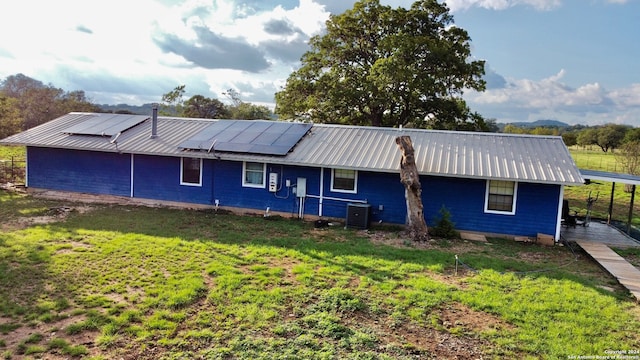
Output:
x=576 y=61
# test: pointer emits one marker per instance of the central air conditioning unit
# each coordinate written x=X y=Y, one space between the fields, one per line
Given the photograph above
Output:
x=358 y=216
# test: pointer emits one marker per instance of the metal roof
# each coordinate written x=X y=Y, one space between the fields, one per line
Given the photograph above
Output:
x=528 y=158
x=610 y=176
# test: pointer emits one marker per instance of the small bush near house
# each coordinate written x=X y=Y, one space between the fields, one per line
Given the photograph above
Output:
x=443 y=226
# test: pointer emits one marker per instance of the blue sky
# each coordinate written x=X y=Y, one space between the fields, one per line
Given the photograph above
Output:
x=575 y=61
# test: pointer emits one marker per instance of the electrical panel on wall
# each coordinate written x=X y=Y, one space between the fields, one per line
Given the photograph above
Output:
x=273 y=182
x=301 y=190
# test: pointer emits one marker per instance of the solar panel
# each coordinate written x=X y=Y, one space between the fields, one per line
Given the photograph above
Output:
x=248 y=136
x=105 y=124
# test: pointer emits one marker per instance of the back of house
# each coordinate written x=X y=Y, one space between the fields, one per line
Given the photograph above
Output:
x=490 y=183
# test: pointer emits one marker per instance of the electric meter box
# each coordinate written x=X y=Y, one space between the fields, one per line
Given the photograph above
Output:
x=273 y=182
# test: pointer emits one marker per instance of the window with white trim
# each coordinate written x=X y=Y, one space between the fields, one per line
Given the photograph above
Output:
x=343 y=180
x=191 y=171
x=254 y=174
x=501 y=197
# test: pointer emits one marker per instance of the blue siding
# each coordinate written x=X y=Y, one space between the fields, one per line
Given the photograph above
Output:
x=378 y=189
x=227 y=182
x=79 y=171
x=536 y=207
x=158 y=177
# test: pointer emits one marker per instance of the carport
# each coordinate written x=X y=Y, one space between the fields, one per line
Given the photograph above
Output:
x=614 y=178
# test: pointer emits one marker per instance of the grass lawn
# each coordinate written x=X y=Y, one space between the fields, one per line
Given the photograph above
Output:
x=155 y=283
x=7 y=152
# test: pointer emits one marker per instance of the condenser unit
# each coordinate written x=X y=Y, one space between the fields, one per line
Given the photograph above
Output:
x=358 y=216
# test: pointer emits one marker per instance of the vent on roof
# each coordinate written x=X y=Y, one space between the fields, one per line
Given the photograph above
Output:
x=105 y=124
x=248 y=136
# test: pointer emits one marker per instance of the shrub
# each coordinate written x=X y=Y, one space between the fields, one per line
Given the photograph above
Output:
x=443 y=226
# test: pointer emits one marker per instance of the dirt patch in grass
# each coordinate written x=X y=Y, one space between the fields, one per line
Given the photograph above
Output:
x=52 y=330
x=54 y=214
x=454 y=333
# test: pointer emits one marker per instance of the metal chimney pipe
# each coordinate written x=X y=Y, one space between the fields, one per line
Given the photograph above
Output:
x=154 y=121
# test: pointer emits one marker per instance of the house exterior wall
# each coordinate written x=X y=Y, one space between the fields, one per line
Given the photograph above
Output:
x=536 y=206
x=79 y=171
x=229 y=190
x=158 y=177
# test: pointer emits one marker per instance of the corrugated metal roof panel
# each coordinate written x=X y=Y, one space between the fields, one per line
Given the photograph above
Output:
x=540 y=159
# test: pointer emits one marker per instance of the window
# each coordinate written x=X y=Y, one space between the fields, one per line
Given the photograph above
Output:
x=344 y=180
x=253 y=174
x=191 y=172
x=501 y=197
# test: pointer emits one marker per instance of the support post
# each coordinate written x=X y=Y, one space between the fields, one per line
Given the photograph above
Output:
x=610 y=212
x=633 y=195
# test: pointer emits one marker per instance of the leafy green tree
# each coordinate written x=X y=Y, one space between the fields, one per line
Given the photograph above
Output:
x=628 y=157
x=245 y=111
x=610 y=136
x=199 y=106
x=588 y=136
x=380 y=66
x=492 y=125
x=10 y=119
x=512 y=129
x=632 y=135
x=570 y=138
x=173 y=102
x=38 y=103
x=76 y=101
x=541 y=130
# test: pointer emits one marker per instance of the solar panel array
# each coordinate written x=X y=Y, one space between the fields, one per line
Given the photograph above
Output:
x=246 y=136
x=105 y=124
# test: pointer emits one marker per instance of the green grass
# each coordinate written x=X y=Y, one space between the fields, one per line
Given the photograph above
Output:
x=7 y=152
x=161 y=283
x=595 y=159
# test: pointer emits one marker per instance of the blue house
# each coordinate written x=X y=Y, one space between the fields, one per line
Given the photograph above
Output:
x=491 y=183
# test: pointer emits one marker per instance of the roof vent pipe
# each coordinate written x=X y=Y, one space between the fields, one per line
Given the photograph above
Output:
x=154 y=121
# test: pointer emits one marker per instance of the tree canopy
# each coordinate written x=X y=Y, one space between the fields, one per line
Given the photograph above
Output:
x=381 y=66
x=199 y=106
x=26 y=102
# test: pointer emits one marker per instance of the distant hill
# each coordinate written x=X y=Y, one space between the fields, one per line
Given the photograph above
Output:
x=144 y=109
x=540 y=123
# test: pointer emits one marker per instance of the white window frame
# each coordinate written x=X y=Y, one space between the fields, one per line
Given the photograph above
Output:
x=252 y=185
x=182 y=182
x=347 y=191
x=513 y=203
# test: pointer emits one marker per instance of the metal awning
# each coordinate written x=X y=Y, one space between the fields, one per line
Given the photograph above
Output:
x=614 y=178
x=610 y=176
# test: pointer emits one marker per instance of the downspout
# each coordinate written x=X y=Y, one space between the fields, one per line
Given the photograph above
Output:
x=321 y=197
x=559 y=218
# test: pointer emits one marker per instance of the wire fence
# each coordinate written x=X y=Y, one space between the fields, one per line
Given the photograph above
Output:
x=13 y=170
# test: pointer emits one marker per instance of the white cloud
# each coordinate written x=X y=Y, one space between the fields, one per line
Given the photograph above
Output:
x=457 y=5
x=550 y=98
x=629 y=96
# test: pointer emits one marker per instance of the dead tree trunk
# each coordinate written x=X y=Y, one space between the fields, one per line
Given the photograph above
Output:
x=416 y=225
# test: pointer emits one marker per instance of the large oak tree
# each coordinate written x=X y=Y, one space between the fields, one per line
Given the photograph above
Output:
x=382 y=66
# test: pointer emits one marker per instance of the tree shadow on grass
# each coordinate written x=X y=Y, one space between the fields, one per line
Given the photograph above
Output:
x=334 y=246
